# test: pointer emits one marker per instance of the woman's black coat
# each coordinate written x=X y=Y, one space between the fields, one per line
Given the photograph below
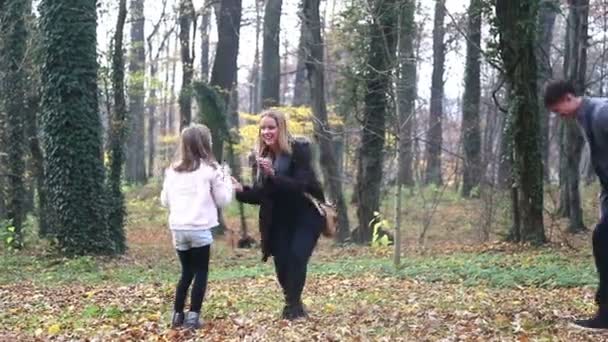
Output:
x=281 y=198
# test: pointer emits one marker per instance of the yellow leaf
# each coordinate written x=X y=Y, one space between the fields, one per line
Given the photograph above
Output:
x=153 y=317
x=330 y=308
x=54 y=329
x=307 y=302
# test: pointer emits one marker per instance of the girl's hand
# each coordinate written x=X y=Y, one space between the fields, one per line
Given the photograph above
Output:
x=238 y=187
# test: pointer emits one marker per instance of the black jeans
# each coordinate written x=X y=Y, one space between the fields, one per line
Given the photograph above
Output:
x=292 y=246
x=195 y=265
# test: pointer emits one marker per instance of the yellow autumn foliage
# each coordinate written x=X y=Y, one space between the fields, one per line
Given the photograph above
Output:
x=300 y=121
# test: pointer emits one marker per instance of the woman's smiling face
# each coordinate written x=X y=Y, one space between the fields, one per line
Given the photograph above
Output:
x=269 y=131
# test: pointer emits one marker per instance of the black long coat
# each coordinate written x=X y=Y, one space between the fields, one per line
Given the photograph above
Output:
x=281 y=198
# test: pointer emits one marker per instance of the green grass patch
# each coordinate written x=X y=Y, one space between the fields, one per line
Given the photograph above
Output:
x=545 y=268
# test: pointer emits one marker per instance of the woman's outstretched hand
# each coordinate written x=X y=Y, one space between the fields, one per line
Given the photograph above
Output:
x=238 y=187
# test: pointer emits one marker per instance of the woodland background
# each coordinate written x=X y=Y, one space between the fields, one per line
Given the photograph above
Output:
x=464 y=206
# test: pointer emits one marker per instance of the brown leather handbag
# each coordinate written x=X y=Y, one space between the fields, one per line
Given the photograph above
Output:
x=329 y=213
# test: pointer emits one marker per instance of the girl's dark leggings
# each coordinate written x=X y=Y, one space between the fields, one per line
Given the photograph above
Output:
x=195 y=266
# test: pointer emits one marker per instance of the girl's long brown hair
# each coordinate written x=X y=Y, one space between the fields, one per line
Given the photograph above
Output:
x=195 y=148
x=284 y=138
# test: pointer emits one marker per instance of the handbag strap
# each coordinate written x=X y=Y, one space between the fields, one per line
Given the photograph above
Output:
x=315 y=202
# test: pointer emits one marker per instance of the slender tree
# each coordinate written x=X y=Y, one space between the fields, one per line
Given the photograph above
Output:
x=435 y=130
x=205 y=28
x=407 y=91
x=116 y=206
x=254 y=78
x=546 y=17
x=135 y=171
x=70 y=120
x=187 y=17
x=271 y=60
x=471 y=130
x=575 y=68
x=301 y=91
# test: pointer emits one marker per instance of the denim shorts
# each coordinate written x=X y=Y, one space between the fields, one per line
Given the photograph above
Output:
x=183 y=240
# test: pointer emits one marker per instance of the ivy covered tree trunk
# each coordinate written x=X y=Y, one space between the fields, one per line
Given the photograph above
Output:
x=186 y=16
x=380 y=52
x=316 y=80
x=271 y=60
x=13 y=76
x=136 y=156
x=407 y=91
x=435 y=130
x=70 y=120
x=575 y=66
x=471 y=131
x=515 y=20
x=547 y=15
x=116 y=205
x=223 y=80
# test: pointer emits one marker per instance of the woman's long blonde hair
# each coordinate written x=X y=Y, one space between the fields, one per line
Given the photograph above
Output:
x=194 y=148
x=284 y=137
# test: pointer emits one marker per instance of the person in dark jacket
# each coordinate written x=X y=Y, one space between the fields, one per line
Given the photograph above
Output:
x=290 y=225
x=591 y=114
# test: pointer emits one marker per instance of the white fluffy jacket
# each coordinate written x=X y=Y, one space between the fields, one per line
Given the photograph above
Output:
x=193 y=197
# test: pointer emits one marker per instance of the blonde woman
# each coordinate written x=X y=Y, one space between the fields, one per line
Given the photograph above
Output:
x=289 y=223
x=193 y=188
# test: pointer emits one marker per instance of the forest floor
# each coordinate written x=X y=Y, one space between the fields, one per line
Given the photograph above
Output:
x=448 y=290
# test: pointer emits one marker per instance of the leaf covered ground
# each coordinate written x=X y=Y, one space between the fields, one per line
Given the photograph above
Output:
x=448 y=292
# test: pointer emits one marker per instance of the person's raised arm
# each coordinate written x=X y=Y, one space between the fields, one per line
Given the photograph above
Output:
x=247 y=194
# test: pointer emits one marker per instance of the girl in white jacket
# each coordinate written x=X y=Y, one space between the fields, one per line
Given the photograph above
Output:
x=194 y=187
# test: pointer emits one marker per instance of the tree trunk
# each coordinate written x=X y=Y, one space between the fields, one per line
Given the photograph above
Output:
x=13 y=43
x=471 y=131
x=69 y=100
x=515 y=19
x=186 y=15
x=505 y=155
x=205 y=26
x=235 y=163
x=117 y=211
x=152 y=107
x=136 y=157
x=407 y=92
x=435 y=131
x=171 y=112
x=254 y=76
x=575 y=66
x=301 y=91
x=547 y=17
x=224 y=73
x=271 y=61
x=377 y=79
x=316 y=79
